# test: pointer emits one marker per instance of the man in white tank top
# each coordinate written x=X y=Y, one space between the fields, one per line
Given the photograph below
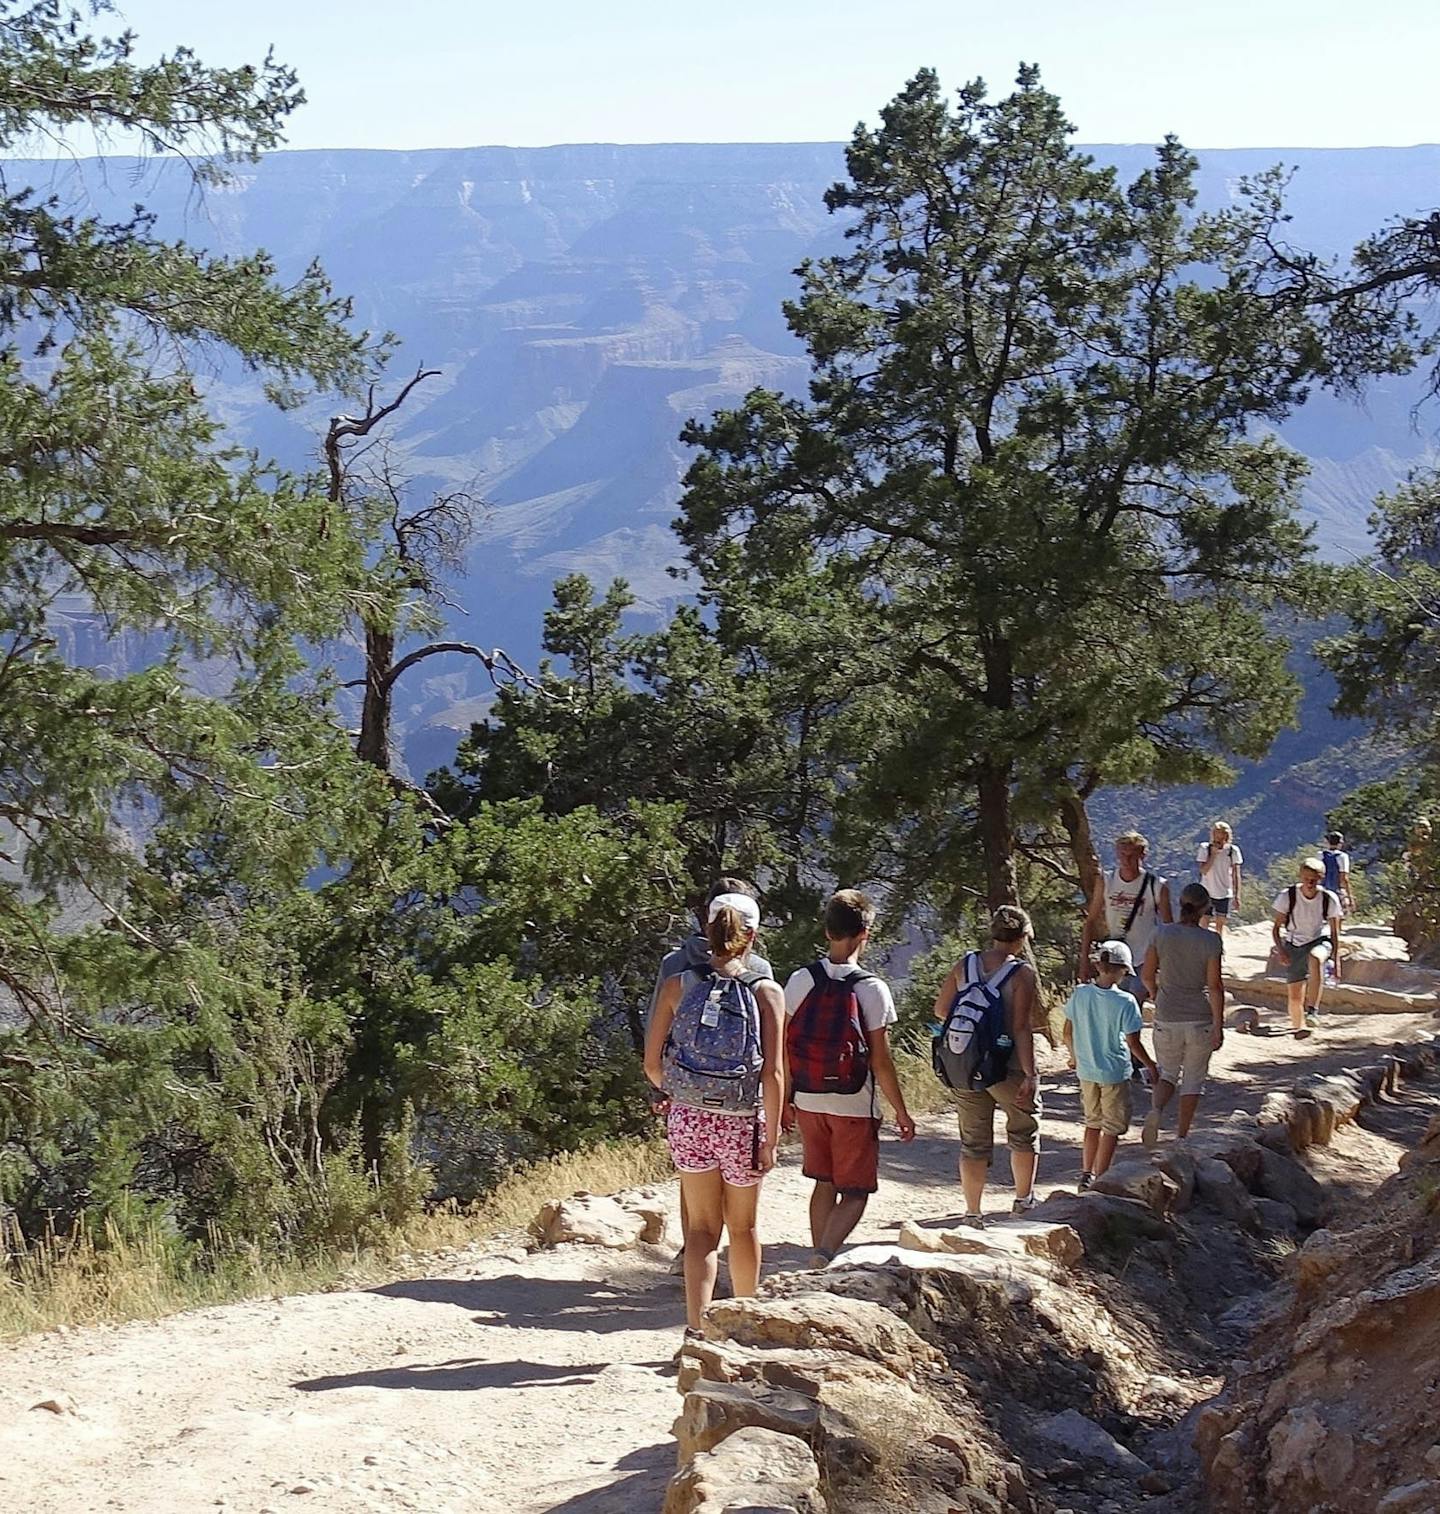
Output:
x=1128 y=903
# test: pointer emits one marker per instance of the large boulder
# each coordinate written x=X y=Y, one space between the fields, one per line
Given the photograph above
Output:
x=1019 y=1238
x=821 y=1321
x=617 y=1221
x=1082 y=1438
x=1283 y=1179
x=754 y=1470
x=799 y=1371
x=1140 y=1179
x=1107 y=1224
x=714 y=1411
x=1219 y=1188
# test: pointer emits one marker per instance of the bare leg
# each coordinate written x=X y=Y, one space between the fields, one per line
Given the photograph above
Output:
x=1188 y=1104
x=1220 y=925
x=1088 y=1150
x=741 y=1205
x=1022 y=1169
x=1161 y=1095
x=1295 y=1003
x=1315 y=981
x=1105 y=1152
x=973 y=1173
x=704 y=1219
x=844 y=1217
x=822 y=1206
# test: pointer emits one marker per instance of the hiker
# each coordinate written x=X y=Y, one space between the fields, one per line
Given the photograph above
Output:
x=1220 y=862
x=1102 y=1033
x=1337 y=870
x=1127 y=904
x=837 y=1054
x=1182 y=975
x=693 y=956
x=1306 y=933
x=714 y=1050
x=986 y=1052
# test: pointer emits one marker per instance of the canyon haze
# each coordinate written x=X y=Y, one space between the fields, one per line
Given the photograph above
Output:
x=582 y=302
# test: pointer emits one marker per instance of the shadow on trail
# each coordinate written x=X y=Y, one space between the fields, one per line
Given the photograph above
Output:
x=650 y=1471
x=540 y=1303
x=463 y=1375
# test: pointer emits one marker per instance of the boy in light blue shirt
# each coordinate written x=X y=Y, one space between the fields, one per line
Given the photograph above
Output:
x=1102 y=1030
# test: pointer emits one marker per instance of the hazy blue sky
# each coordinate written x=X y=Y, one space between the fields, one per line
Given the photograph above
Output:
x=435 y=73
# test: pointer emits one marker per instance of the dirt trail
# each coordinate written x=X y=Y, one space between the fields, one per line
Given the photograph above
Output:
x=501 y=1381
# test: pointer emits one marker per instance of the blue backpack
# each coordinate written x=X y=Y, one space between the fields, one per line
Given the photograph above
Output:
x=713 y=1056
x=1332 y=869
x=972 y=1051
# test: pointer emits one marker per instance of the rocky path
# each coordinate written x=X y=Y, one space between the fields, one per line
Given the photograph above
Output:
x=499 y=1381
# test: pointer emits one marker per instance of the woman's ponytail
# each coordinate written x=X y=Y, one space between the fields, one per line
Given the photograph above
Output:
x=728 y=932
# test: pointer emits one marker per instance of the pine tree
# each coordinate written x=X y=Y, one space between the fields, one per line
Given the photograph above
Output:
x=1034 y=458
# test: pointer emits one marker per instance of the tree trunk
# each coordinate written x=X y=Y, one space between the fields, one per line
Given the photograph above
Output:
x=996 y=836
x=374 y=743
x=1076 y=820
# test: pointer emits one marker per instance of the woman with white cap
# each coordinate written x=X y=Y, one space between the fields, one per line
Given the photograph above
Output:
x=714 y=1049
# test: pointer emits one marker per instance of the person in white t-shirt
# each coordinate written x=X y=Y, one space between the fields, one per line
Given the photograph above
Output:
x=1127 y=904
x=1220 y=862
x=1306 y=932
x=838 y=1020
x=1337 y=870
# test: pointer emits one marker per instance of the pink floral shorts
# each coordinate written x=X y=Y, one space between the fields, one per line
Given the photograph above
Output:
x=701 y=1140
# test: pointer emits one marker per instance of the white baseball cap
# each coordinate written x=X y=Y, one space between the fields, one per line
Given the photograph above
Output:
x=742 y=904
x=1117 y=954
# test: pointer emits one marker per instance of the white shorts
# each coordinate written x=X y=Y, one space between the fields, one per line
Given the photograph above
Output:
x=1183 y=1052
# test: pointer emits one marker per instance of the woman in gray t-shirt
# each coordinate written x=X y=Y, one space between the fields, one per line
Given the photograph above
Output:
x=1182 y=975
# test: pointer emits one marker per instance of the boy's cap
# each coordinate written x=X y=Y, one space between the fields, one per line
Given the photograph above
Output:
x=1115 y=954
x=1313 y=864
x=742 y=904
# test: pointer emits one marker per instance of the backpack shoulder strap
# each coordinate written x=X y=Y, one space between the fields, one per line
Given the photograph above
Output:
x=1290 y=894
x=817 y=972
x=1005 y=972
x=1146 y=877
x=1324 y=904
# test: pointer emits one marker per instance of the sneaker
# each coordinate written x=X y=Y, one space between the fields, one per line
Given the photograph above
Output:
x=1150 y=1130
x=971 y=1221
x=1312 y=1018
x=1025 y=1205
x=692 y=1334
x=1086 y=1178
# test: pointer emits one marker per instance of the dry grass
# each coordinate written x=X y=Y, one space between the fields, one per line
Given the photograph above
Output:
x=924 y=1092
x=78 y=1279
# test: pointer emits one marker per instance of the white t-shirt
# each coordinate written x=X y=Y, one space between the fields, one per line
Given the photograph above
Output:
x=1308 y=923
x=1215 y=863
x=1120 y=900
x=877 y=1010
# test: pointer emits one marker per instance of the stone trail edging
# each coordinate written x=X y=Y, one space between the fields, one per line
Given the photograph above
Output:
x=796 y=1388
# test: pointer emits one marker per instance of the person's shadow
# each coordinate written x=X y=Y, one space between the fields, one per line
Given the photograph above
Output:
x=462 y=1375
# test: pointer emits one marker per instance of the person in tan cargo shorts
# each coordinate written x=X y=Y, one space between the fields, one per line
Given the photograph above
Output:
x=1001 y=965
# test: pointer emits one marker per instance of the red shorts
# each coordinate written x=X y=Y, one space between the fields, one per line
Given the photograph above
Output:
x=842 y=1150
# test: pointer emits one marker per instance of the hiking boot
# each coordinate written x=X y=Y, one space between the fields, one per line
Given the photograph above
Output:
x=971 y=1221
x=1025 y=1205
x=1150 y=1130
x=1086 y=1178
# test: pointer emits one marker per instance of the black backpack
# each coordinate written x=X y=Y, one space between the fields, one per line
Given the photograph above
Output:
x=1293 y=892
